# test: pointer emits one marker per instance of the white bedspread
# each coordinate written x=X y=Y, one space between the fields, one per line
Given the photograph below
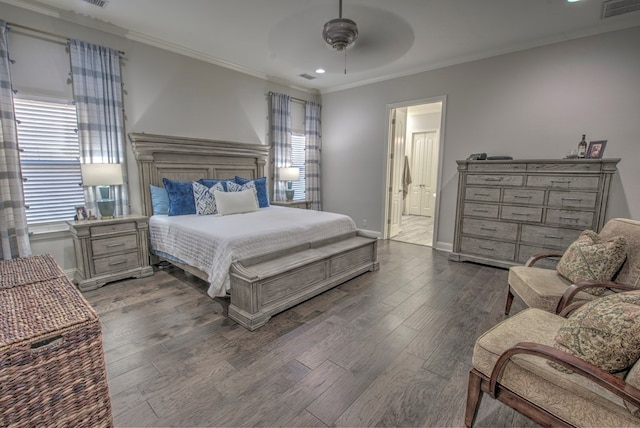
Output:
x=211 y=243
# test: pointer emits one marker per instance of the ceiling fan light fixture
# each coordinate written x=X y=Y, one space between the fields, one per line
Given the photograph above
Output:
x=340 y=33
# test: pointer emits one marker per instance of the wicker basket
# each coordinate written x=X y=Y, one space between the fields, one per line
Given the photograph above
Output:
x=52 y=370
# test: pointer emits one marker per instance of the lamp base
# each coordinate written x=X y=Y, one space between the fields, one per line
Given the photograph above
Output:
x=107 y=208
x=289 y=194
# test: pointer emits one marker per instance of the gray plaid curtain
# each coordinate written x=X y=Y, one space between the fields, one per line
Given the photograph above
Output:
x=281 y=140
x=312 y=152
x=97 y=92
x=14 y=234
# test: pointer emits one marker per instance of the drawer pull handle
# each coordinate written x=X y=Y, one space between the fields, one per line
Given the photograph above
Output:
x=478 y=210
x=561 y=181
x=486 y=248
x=481 y=194
x=569 y=218
x=47 y=343
x=117 y=263
x=521 y=197
x=522 y=214
x=117 y=244
x=490 y=229
x=553 y=237
x=572 y=199
x=493 y=179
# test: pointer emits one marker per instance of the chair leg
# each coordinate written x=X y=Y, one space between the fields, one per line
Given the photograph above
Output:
x=474 y=397
x=507 y=307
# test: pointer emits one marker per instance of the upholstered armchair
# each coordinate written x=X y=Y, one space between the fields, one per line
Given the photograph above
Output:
x=511 y=363
x=543 y=288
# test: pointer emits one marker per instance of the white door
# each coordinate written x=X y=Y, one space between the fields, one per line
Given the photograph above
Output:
x=423 y=174
x=398 y=131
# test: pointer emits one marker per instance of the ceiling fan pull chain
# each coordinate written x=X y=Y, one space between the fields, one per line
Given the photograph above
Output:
x=345 y=61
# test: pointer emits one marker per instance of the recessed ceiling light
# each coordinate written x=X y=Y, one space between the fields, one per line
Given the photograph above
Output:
x=319 y=70
x=572 y=1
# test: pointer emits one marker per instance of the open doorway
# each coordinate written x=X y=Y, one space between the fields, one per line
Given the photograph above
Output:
x=415 y=148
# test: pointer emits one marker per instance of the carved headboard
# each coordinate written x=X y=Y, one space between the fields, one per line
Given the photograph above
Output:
x=189 y=159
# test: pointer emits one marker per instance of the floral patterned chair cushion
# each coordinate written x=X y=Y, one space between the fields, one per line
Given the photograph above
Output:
x=591 y=258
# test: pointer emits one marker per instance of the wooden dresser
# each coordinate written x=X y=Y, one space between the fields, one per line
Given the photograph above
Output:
x=110 y=249
x=509 y=210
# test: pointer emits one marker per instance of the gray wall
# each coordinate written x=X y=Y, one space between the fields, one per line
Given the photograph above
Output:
x=530 y=104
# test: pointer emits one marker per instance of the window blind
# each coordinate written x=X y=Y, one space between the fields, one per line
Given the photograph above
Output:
x=298 y=143
x=49 y=158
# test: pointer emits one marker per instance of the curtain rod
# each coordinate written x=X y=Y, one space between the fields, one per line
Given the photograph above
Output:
x=300 y=100
x=46 y=33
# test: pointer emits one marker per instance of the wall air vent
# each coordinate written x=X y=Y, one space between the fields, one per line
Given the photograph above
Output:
x=306 y=76
x=99 y=3
x=612 y=8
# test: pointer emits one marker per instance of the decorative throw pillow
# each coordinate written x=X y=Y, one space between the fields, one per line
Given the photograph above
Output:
x=604 y=332
x=209 y=182
x=243 y=201
x=159 y=200
x=204 y=198
x=261 y=188
x=181 y=200
x=591 y=258
x=235 y=187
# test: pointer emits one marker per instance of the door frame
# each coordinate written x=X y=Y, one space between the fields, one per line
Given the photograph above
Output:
x=387 y=164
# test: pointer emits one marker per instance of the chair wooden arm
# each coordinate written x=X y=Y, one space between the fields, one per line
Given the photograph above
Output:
x=533 y=259
x=573 y=289
x=580 y=367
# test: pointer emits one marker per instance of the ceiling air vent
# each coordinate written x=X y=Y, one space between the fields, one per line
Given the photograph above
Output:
x=99 y=3
x=306 y=76
x=612 y=8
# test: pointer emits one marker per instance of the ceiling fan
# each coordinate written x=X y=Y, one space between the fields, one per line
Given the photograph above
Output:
x=340 y=33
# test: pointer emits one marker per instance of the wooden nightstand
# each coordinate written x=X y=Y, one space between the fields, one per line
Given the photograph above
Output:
x=304 y=204
x=110 y=249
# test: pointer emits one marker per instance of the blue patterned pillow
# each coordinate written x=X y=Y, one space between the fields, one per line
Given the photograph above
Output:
x=159 y=200
x=204 y=198
x=261 y=188
x=181 y=199
x=209 y=182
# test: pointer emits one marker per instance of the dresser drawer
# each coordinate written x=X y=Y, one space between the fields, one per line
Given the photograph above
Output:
x=530 y=214
x=493 y=229
x=525 y=252
x=497 y=166
x=488 y=248
x=582 y=219
x=548 y=236
x=560 y=199
x=481 y=210
x=563 y=182
x=110 y=229
x=564 y=167
x=116 y=263
x=117 y=244
x=488 y=194
x=523 y=196
x=495 y=180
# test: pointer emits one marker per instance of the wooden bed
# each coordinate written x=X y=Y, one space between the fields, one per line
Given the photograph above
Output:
x=265 y=285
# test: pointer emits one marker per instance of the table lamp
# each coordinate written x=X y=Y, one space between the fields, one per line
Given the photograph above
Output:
x=103 y=176
x=289 y=175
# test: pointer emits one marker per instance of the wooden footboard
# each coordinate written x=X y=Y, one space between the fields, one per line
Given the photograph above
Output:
x=264 y=286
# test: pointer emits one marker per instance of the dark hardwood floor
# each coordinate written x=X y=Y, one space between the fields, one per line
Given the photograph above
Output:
x=388 y=348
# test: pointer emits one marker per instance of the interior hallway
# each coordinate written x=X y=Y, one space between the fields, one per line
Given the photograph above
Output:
x=416 y=229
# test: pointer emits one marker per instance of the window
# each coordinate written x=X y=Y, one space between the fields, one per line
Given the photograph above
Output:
x=49 y=157
x=298 y=143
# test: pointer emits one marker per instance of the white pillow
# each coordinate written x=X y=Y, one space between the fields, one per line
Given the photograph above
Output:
x=236 y=202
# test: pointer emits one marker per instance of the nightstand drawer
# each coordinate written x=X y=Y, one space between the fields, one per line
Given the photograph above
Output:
x=117 y=244
x=113 y=228
x=116 y=263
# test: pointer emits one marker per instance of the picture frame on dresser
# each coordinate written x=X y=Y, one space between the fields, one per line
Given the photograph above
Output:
x=596 y=149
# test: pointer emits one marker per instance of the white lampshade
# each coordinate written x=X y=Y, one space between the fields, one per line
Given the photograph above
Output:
x=289 y=174
x=101 y=174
